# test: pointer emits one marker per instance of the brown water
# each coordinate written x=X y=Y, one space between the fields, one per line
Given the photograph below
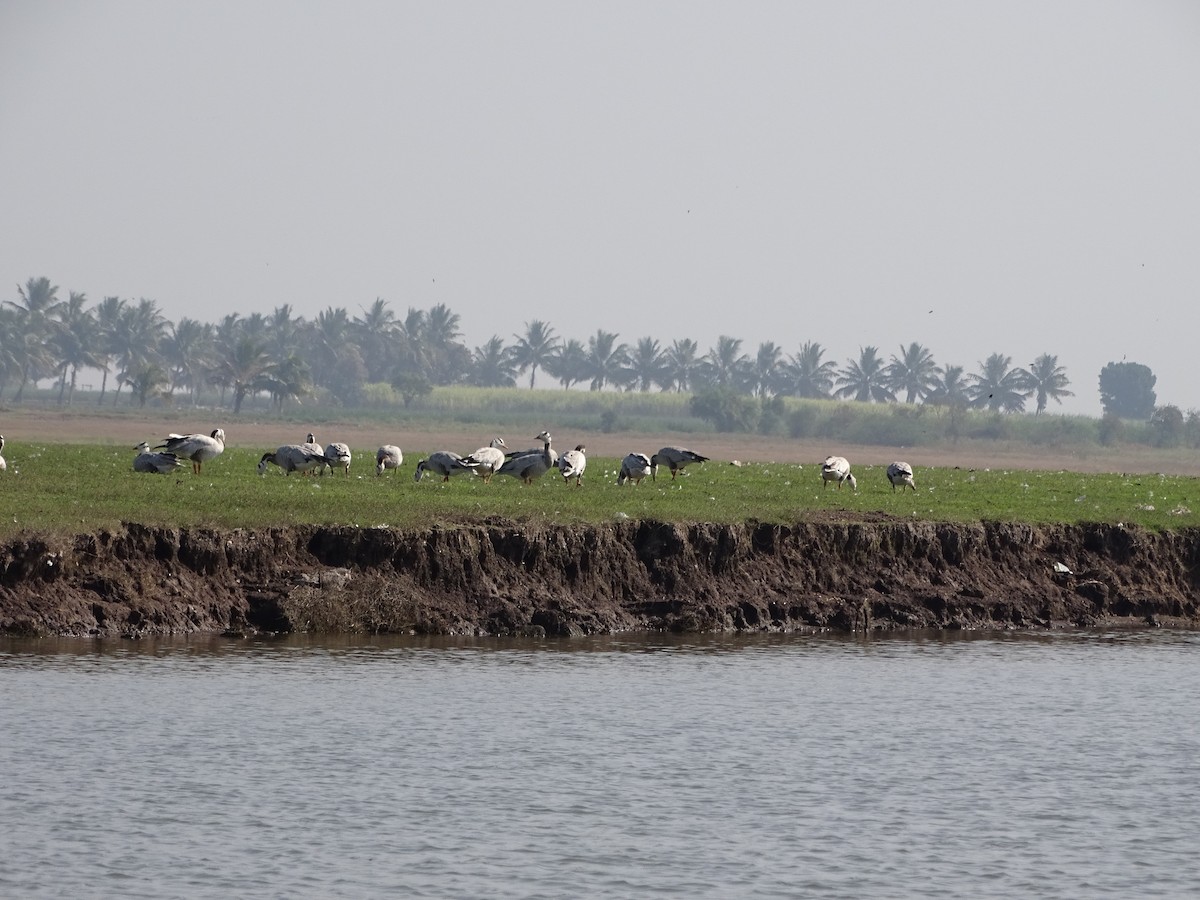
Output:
x=986 y=766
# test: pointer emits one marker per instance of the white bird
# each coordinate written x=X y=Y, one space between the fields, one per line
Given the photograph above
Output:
x=387 y=457
x=339 y=457
x=3 y=464
x=303 y=458
x=531 y=464
x=199 y=448
x=836 y=468
x=149 y=461
x=444 y=463
x=573 y=463
x=489 y=459
x=674 y=458
x=901 y=473
x=635 y=467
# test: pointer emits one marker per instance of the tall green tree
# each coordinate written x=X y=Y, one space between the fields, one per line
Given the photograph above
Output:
x=725 y=366
x=865 y=379
x=36 y=307
x=683 y=364
x=493 y=365
x=1127 y=390
x=568 y=364
x=73 y=342
x=765 y=373
x=534 y=349
x=605 y=359
x=647 y=366
x=137 y=339
x=808 y=374
x=951 y=388
x=188 y=351
x=108 y=323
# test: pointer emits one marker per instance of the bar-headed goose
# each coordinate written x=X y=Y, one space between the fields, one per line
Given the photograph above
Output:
x=489 y=459
x=573 y=463
x=302 y=458
x=149 y=461
x=3 y=464
x=674 y=458
x=901 y=473
x=388 y=457
x=444 y=463
x=836 y=468
x=531 y=464
x=635 y=467
x=199 y=448
x=339 y=457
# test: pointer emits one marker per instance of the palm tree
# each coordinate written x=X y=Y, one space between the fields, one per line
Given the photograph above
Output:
x=36 y=327
x=283 y=332
x=286 y=379
x=245 y=368
x=108 y=322
x=765 y=372
x=74 y=342
x=188 y=352
x=950 y=388
x=376 y=332
x=647 y=365
x=999 y=387
x=605 y=359
x=493 y=365
x=535 y=348
x=143 y=378
x=140 y=330
x=682 y=364
x=808 y=376
x=913 y=372
x=568 y=364
x=1047 y=380
x=725 y=365
x=865 y=379
x=10 y=341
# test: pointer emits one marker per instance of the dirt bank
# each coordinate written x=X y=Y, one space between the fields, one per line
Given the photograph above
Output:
x=501 y=578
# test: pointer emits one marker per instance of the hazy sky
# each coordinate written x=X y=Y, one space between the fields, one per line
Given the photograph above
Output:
x=1015 y=177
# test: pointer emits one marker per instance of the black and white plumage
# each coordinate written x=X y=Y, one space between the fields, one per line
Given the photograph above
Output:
x=302 y=458
x=444 y=463
x=635 y=467
x=387 y=457
x=573 y=463
x=901 y=474
x=531 y=464
x=489 y=459
x=3 y=464
x=149 y=461
x=199 y=448
x=339 y=457
x=837 y=468
x=674 y=458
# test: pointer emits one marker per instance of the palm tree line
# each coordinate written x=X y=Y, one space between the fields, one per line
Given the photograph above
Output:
x=288 y=357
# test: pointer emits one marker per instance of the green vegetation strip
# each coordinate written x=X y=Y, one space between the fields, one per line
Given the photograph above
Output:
x=67 y=488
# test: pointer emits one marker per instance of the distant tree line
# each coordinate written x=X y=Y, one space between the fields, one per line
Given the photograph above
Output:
x=288 y=357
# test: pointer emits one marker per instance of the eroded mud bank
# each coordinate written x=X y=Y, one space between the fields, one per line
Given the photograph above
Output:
x=501 y=578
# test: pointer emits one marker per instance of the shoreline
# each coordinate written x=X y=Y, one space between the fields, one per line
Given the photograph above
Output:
x=501 y=577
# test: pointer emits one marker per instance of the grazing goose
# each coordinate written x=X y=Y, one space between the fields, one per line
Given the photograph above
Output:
x=339 y=457
x=443 y=463
x=635 y=467
x=3 y=464
x=387 y=457
x=572 y=464
x=149 y=461
x=901 y=473
x=674 y=458
x=531 y=464
x=489 y=459
x=291 y=458
x=836 y=468
x=199 y=448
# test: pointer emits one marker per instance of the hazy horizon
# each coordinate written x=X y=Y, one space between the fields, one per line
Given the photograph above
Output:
x=1016 y=178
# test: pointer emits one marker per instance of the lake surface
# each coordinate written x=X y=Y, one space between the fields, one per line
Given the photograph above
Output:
x=1063 y=765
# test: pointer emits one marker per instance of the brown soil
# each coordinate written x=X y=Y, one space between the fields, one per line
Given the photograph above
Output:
x=499 y=577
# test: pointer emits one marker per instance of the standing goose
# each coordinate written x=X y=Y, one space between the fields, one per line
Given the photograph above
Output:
x=635 y=467
x=199 y=448
x=573 y=463
x=531 y=464
x=837 y=468
x=302 y=458
x=339 y=457
x=489 y=459
x=444 y=463
x=387 y=457
x=149 y=461
x=901 y=473
x=3 y=464
x=674 y=458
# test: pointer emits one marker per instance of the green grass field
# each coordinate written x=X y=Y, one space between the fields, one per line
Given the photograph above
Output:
x=66 y=488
